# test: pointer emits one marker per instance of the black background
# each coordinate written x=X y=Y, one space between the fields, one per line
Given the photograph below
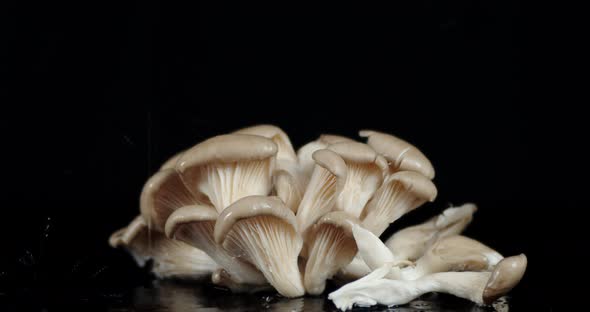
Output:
x=99 y=94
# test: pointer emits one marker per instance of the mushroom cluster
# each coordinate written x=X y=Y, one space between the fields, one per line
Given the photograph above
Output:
x=249 y=212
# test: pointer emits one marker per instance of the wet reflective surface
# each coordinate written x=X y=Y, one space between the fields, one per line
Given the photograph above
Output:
x=171 y=296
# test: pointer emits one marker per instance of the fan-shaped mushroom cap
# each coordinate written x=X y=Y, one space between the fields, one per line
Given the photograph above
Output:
x=412 y=242
x=194 y=225
x=401 y=193
x=401 y=154
x=505 y=276
x=163 y=193
x=331 y=247
x=304 y=154
x=277 y=135
x=365 y=171
x=326 y=183
x=263 y=231
x=170 y=258
x=228 y=167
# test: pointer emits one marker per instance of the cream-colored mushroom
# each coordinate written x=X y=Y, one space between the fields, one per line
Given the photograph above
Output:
x=331 y=247
x=263 y=231
x=287 y=189
x=228 y=167
x=401 y=193
x=327 y=181
x=171 y=162
x=194 y=225
x=163 y=193
x=479 y=287
x=170 y=258
x=304 y=154
x=365 y=172
x=285 y=148
x=400 y=154
x=412 y=242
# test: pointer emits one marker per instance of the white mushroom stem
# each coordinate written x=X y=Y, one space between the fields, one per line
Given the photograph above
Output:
x=479 y=287
x=194 y=225
x=262 y=230
x=412 y=242
x=228 y=167
x=171 y=259
x=331 y=247
x=401 y=193
x=326 y=183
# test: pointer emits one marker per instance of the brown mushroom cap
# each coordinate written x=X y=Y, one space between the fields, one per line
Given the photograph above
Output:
x=505 y=276
x=401 y=154
x=163 y=193
x=277 y=135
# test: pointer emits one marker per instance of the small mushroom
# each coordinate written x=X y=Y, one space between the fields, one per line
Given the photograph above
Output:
x=401 y=193
x=163 y=193
x=194 y=225
x=304 y=154
x=479 y=287
x=287 y=189
x=412 y=242
x=400 y=154
x=171 y=259
x=327 y=181
x=365 y=171
x=331 y=247
x=228 y=167
x=263 y=231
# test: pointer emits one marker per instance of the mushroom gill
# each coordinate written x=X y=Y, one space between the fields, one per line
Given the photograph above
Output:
x=401 y=193
x=228 y=167
x=331 y=247
x=263 y=231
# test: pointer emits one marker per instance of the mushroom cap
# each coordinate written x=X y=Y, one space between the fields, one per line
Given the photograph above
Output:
x=251 y=206
x=359 y=153
x=171 y=162
x=287 y=189
x=331 y=162
x=402 y=155
x=458 y=253
x=188 y=214
x=505 y=276
x=417 y=183
x=339 y=219
x=126 y=235
x=330 y=139
x=163 y=193
x=285 y=148
x=227 y=148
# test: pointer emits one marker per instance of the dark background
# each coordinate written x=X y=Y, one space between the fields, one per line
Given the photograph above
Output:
x=99 y=94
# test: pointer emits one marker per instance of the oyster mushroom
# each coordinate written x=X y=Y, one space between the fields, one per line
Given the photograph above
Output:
x=327 y=181
x=171 y=162
x=365 y=171
x=412 y=242
x=479 y=287
x=331 y=247
x=171 y=259
x=287 y=189
x=400 y=154
x=401 y=193
x=228 y=167
x=263 y=231
x=304 y=154
x=163 y=193
x=194 y=225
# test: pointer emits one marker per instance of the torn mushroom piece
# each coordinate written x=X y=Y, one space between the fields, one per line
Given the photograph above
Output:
x=194 y=225
x=400 y=154
x=163 y=193
x=365 y=172
x=412 y=242
x=263 y=231
x=479 y=287
x=171 y=259
x=228 y=167
x=401 y=193
x=331 y=246
x=327 y=181
x=304 y=154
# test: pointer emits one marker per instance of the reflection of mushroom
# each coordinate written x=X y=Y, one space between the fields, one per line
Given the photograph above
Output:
x=327 y=181
x=194 y=225
x=412 y=242
x=163 y=193
x=228 y=167
x=263 y=231
x=331 y=247
x=365 y=170
x=401 y=193
x=400 y=154
x=479 y=287
x=170 y=258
